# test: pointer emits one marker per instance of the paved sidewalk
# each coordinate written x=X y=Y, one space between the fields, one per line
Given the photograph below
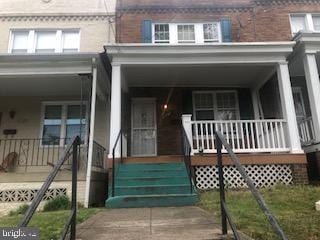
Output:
x=173 y=223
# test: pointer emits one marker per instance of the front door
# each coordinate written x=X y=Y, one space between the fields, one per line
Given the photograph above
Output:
x=144 y=127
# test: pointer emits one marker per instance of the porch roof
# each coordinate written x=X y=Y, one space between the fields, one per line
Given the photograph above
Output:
x=39 y=64
x=51 y=74
x=307 y=42
x=219 y=53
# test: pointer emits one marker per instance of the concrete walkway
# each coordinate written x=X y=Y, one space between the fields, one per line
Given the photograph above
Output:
x=173 y=223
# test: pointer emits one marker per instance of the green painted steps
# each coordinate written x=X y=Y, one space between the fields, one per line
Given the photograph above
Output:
x=152 y=201
x=151 y=185
x=150 y=181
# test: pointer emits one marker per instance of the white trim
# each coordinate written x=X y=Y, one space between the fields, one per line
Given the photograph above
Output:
x=215 y=107
x=154 y=101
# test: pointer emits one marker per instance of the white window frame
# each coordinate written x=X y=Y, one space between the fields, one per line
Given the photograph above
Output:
x=215 y=107
x=198 y=30
x=308 y=21
x=64 y=105
x=32 y=38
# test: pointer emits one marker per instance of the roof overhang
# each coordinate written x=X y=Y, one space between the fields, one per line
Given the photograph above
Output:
x=307 y=42
x=47 y=64
x=237 y=53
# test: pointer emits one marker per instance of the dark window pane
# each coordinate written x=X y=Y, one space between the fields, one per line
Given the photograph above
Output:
x=51 y=135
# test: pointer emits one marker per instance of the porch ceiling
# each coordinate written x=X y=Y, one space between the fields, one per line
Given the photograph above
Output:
x=195 y=75
x=40 y=85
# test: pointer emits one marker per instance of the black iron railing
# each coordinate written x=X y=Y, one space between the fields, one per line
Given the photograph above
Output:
x=186 y=152
x=225 y=214
x=32 y=152
x=115 y=159
x=71 y=150
x=98 y=155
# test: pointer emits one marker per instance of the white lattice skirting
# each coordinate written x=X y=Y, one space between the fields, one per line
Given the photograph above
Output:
x=27 y=195
x=262 y=176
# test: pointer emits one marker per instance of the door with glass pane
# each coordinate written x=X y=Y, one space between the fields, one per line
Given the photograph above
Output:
x=299 y=104
x=144 y=128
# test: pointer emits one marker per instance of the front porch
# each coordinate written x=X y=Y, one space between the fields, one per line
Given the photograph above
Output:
x=242 y=90
x=45 y=101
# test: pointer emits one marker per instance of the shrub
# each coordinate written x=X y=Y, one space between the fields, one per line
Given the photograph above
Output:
x=58 y=203
x=20 y=210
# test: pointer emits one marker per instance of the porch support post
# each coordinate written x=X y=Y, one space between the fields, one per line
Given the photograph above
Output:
x=186 y=124
x=115 y=117
x=288 y=110
x=313 y=85
x=255 y=103
x=91 y=134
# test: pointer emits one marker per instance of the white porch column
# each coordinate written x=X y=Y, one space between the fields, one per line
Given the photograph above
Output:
x=255 y=103
x=115 y=117
x=288 y=110
x=186 y=123
x=91 y=135
x=313 y=85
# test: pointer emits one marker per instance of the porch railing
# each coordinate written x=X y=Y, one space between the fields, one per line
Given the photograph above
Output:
x=306 y=131
x=242 y=135
x=37 y=152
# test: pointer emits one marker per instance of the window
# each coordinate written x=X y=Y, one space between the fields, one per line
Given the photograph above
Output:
x=298 y=23
x=216 y=105
x=186 y=34
x=316 y=23
x=70 y=41
x=210 y=32
x=62 y=122
x=44 y=41
x=175 y=33
x=310 y=22
x=161 y=34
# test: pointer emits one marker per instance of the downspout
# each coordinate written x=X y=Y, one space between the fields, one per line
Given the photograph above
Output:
x=91 y=135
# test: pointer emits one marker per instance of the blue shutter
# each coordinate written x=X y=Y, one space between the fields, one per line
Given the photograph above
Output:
x=226 y=30
x=147 y=31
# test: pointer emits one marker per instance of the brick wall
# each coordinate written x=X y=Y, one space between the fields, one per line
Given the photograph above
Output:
x=300 y=174
x=260 y=21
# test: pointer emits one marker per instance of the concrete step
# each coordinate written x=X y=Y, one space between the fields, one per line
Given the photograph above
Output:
x=133 y=201
x=148 y=166
x=152 y=173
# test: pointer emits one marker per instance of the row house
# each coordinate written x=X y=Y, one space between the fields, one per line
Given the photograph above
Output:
x=54 y=85
x=138 y=79
x=245 y=68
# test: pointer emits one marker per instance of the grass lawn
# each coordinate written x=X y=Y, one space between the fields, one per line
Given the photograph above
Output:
x=293 y=206
x=50 y=224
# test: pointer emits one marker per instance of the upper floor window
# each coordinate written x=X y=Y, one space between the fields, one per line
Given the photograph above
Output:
x=186 y=32
x=308 y=21
x=44 y=41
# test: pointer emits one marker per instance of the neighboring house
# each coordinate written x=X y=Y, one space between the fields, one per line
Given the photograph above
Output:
x=214 y=65
x=54 y=85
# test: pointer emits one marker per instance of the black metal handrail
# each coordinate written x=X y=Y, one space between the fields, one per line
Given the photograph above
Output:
x=225 y=215
x=186 y=152
x=114 y=165
x=98 y=155
x=71 y=223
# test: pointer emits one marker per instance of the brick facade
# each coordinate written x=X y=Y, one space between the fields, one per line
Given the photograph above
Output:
x=260 y=20
x=300 y=174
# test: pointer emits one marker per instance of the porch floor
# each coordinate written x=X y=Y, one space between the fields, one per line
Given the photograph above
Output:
x=173 y=223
